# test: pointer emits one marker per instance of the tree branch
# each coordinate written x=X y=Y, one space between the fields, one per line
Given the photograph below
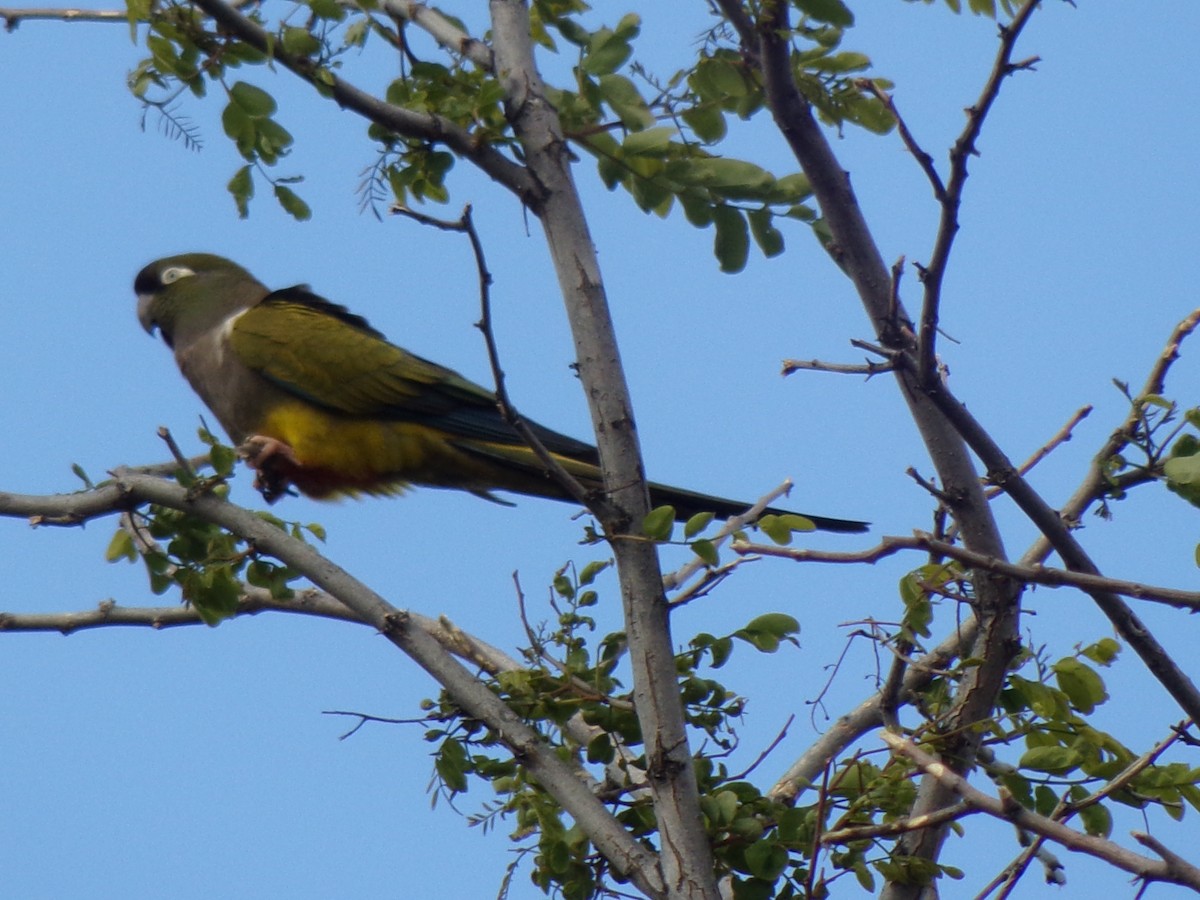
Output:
x=686 y=859
x=14 y=16
x=997 y=602
x=441 y=30
x=1172 y=869
x=128 y=491
x=424 y=126
x=951 y=198
x=1030 y=574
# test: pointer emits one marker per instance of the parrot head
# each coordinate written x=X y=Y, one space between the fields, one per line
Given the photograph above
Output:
x=187 y=295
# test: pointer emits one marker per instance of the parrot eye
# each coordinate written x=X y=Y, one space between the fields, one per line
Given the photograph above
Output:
x=173 y=274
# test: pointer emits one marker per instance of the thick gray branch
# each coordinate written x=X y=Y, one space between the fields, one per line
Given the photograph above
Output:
x=686 y=858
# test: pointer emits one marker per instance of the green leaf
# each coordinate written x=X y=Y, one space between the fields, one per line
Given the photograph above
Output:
x=241 y=186
x=697 y=208
x=120 y=547
x=253 y=101
x=600 y=749
x=706 y=550
x=659 y=523
x=1054 y=759
x=768 y=631
x=696 y=524
x=651 y=142
x=240 y=129
x=1104 y=652
x=1080 y=683
x=606 y=52
x=212 y=592
x=589 y=572
x=451 y=764
x=1097 y=820
x=223 y=458
x=707 y=121
x=735 y=178
x=766 y=859
x=731 y=245
x=766 y=235
x=791 y=188
x=1183 y=469
x=299 y=41
x=327 y=9
x=292 y=204
x=622 y=95
x=832 y=11
x=775 y=528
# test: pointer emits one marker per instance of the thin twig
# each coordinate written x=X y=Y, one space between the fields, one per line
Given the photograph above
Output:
x=1034 y=574
x=923 y=158
x=169 y=440
x=758 y=760
x=465 y=225
x=13 y=16
x=364 y=718
x=1061 y=437
x=951 y=196
x=868 y=368
x=733 y=524
x=898 y=826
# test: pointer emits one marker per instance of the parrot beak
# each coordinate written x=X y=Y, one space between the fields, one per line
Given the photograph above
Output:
x=145 y=302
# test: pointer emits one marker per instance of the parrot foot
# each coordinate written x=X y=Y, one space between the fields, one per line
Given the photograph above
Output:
x=274 y=464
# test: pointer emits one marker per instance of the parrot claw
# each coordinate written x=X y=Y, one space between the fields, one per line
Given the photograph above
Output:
x=273 y=462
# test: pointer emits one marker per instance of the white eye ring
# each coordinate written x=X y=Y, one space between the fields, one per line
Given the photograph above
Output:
x=173 y=274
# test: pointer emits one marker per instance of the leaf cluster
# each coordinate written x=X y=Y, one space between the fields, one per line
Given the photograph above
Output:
x=209 y=565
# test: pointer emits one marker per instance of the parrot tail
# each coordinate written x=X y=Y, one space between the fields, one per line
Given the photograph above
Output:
x=689 y=503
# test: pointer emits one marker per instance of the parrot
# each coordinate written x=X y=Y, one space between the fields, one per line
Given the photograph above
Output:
x=316 y=398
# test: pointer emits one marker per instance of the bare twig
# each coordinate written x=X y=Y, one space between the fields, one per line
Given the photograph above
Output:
x=1030 y=574
x=868 y=368
x=1061 y=437
x=466 y=225
x=951 y=197
x=109 y=614
x=898 y=826
x=923 y=158
x=672 y=580
x=364 y=718
x=169 y=440
x=14 y=16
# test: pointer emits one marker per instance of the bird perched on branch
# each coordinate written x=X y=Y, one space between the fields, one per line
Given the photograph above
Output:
x=318 y=399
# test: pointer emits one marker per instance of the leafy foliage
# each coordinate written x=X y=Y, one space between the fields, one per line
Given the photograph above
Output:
x=206 y=563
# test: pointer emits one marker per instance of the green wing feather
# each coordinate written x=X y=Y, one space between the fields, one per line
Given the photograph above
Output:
x=322 y=353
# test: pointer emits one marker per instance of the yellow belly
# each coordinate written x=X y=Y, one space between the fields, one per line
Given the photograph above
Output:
x=339 y=455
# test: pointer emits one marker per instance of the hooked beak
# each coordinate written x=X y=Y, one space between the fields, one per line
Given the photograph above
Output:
x=145 y=301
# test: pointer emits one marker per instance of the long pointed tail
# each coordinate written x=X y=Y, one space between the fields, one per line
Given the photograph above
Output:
x=688 y=503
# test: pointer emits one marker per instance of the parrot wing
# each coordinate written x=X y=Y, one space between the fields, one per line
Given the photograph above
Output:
x=324 y=354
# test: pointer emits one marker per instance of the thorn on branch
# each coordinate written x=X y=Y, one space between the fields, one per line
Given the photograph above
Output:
x=933 y=490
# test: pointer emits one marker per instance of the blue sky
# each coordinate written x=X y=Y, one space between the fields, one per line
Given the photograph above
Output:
x=196 y=762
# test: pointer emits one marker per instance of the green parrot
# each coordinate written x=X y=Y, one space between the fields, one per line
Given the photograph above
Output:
x=317 y=398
